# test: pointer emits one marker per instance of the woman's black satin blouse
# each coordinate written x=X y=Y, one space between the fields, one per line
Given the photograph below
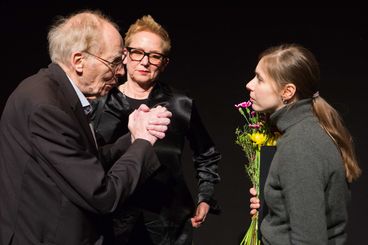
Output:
x=166 y=192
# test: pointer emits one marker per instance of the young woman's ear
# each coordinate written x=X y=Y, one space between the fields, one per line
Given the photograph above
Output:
x=288 y=93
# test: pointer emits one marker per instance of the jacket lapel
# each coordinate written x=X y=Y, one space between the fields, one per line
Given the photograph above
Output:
x=72 y=97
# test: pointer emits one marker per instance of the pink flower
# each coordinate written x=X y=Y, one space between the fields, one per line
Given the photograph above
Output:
x=244 y=104
x=254 y=125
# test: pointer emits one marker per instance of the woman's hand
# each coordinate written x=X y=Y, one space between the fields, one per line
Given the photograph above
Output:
x=254 y=201
x=200 y=215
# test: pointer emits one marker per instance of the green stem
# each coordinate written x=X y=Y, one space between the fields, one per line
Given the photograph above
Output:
x=258 y=169
x=251 y=236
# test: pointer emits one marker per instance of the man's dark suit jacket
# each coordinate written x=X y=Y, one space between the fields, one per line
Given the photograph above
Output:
x=53 y=186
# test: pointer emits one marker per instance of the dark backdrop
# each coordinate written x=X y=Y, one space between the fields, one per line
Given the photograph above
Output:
x=214 y=54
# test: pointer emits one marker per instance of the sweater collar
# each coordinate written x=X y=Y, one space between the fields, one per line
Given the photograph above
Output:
x=292 y=114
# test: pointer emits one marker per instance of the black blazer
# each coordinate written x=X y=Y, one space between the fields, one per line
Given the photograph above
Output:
x=53 y=187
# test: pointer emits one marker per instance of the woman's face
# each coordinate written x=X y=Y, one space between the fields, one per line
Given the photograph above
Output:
x=144 y=70
x=263 y=91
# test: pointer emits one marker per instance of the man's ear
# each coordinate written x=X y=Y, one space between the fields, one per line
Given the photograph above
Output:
x=77 y=61
x=288 y=93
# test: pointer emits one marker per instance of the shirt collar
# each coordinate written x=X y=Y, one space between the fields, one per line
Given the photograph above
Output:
x=81 y=97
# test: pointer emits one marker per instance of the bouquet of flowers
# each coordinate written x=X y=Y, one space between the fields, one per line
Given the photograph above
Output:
x=255 y=133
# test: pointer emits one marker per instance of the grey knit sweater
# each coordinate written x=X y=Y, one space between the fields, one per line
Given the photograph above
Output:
x=306 y=189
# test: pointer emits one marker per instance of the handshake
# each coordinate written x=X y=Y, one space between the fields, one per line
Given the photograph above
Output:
x=149 y=124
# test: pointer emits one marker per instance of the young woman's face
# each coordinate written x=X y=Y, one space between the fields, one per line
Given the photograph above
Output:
x=263 y=91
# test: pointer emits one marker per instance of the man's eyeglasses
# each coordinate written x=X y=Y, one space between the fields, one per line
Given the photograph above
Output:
x=114 y=65
x=154 y=58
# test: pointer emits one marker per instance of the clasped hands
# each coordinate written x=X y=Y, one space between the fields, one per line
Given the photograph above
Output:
x=149 y=124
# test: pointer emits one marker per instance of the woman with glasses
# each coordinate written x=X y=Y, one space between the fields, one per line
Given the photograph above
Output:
x=162 y=210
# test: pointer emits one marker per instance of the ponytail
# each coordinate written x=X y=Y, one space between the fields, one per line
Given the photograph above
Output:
x=333 y=124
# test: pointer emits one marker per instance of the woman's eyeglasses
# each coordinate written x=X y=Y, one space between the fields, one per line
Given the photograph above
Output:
x=154 y=58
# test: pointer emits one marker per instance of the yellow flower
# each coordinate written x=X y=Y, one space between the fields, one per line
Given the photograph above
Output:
x=272 y=140
x=258 y=138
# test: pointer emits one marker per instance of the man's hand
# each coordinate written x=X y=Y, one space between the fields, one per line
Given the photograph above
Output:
x=158 y=126
x=149 y=124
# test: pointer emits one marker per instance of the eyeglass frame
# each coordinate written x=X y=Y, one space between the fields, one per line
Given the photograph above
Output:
x=109 y=64
x=164 y=57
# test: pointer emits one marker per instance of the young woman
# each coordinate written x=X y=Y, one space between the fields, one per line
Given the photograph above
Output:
x=307 y=187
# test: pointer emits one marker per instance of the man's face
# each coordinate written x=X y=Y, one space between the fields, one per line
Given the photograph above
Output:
x=102 y=69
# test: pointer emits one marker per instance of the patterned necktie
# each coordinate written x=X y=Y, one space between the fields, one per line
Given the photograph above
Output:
x=88 y=112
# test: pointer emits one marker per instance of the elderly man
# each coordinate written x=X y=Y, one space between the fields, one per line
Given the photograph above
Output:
x=54 y=183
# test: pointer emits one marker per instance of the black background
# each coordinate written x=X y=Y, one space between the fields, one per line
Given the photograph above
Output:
x=214 y=54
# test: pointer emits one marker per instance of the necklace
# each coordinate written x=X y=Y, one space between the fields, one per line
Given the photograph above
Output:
x=137 y=96
x=122 y=89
